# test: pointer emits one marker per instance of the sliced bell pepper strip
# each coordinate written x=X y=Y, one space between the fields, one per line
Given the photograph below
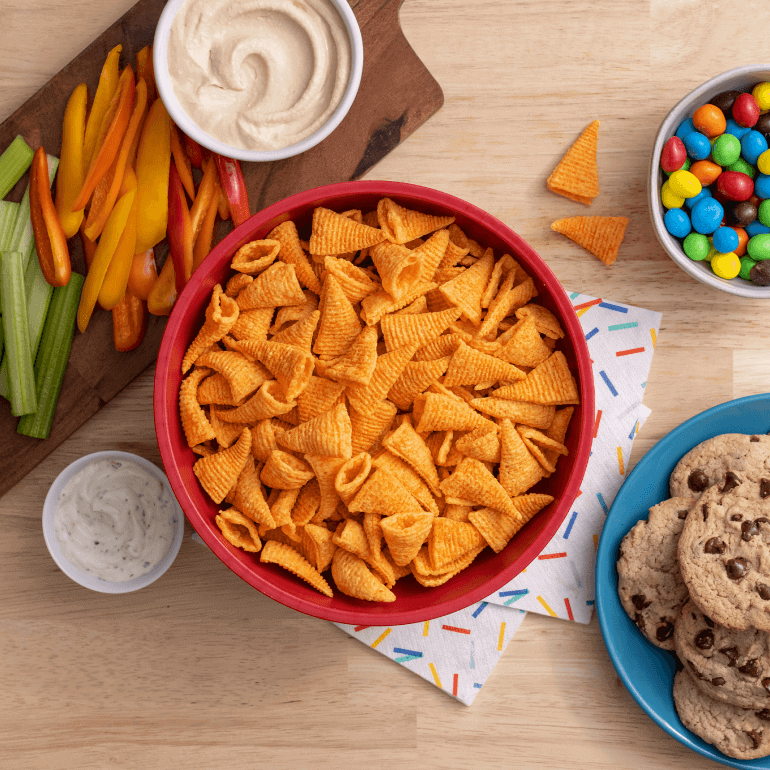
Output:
x=105 y=249
x=50 y=240
x=69 y=180
x=143 y=274
x=222 y=205
x=114 y=127
x=153 y=159
x=145 y=69
x=231 y=181
x=183 y=165
x=206 y=234
x=206 y=190
x=106 y=192
x=89 y=246
x=180 y=240
x=116 y=278
x=108 y=85
x=194 y=150
x=129 y=322
x=163 y=293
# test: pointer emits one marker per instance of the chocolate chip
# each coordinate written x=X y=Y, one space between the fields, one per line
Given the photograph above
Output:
x=705 y=639
x=732 y=655
x=705 y=511
x=766 y=683
x=764 y=488
x=639 y=620
x=664 y=631
x=748 y=530
x=737 y=568
x=731 y=482
x=682 y=514
x=756 y=738
x=697 y=480
x=754 y=439
x=700 y=676
x=764 y=714
x=736 y=517
x=718 y=681
x=640 y=601
x=750 y=668
x=763 y=591
x=714 y=545
x=709 y=622
x=762 y=520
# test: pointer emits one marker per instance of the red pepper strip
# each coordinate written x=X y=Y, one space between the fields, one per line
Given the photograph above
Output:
x=206 y=190
x=231 y=180
x=129 y=322
x=183 y=165
x=50 y=241
x=145 y=69
x=193 y=150
x=163 y=293
x=179 y=232
x=113 y=133
x=89 y=246
x=143 y=273
x=206 y=234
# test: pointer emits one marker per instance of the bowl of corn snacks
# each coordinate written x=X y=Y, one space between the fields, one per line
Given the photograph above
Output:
x=374 y=403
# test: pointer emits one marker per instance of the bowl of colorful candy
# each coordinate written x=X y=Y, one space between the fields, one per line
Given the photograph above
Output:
x=709 y=182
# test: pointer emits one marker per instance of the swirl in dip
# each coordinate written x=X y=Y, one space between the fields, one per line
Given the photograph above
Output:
x=114 y=520
x=259 y=74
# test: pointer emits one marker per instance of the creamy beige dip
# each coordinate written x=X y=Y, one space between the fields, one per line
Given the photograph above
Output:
x=259 y=74
x=114 y=520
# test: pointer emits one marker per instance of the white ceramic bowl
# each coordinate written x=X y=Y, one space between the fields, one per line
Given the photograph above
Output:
x=738 y=79
x=84 y=578
x=186 y=124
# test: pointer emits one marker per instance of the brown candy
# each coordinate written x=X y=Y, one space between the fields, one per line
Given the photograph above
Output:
x=697 y=480
x=760 y=273
x=725 y=101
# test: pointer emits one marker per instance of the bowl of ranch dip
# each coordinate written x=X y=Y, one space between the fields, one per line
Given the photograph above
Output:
x=112 y=523
x=258 y=80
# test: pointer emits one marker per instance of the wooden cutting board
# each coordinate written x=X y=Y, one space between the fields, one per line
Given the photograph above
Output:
x=397 y=94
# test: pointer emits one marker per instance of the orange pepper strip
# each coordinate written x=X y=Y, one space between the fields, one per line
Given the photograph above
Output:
x=180 y=239
x=206 y=233
x=50 y=241
x=113 y=135
x=163 y=293
x=153 y=160
x=116 y=278
x=69 y=180
x=143 y=274
x=105 y=249
x=108 y=85
x=182 y=163
x=206 y=190
x=89 y=246
x=145 y=69
x=223 y=205
x=106 y=192
x=129 y=322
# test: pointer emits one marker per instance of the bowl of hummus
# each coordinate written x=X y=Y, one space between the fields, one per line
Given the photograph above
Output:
x=258 y=80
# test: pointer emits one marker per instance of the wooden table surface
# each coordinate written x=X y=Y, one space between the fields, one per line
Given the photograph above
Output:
x=202 y=670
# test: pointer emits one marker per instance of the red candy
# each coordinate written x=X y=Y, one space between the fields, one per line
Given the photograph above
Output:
x=735 y=186
x=745 y=110
x=674 y=155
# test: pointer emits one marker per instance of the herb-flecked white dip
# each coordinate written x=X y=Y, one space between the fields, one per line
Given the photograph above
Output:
x=115 y=520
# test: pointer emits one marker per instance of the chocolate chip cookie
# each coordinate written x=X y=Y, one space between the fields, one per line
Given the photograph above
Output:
x=724 y=553
x=727 y=665
x=650 y=585
x=736 y=732
x=712 y=461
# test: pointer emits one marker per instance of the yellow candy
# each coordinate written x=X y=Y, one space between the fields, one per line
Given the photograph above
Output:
x=761 y=94
x=763 y=162
x=726 y=265
x=669 y=199
x=684 y=184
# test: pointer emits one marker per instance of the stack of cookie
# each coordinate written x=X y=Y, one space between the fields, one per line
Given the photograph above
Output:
x=695 y=578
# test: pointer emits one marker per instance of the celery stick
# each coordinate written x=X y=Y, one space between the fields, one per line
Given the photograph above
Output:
x=23 y=239
x=13 y=163
x=52 y=357
x=13 y=301
x=9 y=214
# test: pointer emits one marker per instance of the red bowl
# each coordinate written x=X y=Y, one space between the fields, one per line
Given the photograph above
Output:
x=414 y=602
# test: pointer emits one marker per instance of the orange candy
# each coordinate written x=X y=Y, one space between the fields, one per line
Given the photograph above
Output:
x=743 y=239
x=709 y=120
x=706 y=171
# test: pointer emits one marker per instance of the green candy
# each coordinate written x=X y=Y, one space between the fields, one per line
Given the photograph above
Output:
x=726 y=150
x=758 y=247
x=763 y=212
x=696 y=246
x=742 y=167
x=746 y=264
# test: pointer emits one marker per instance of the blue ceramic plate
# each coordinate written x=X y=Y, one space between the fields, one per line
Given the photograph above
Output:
x=645 y=670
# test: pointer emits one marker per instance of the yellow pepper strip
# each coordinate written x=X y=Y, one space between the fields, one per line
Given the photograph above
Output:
x=69 y=180
x=131 y=158
x=163 y=293
x=182 y=162
x=116 y=278
x=108 y=85
x=106 y=192
x=145 y=69
x=105 y=249
x=153 y=159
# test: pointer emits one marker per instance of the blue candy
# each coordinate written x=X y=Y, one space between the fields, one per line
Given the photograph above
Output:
x=707 y=215
x=734 y=129
x=686 y=127
x=677 y=223
x=704 y=193
x=725 y=240
x=753 y=145
x=698 y=146
x=756 y=228
x=762 y=186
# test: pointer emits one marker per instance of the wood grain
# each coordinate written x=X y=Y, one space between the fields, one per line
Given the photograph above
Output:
x=200 y=669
